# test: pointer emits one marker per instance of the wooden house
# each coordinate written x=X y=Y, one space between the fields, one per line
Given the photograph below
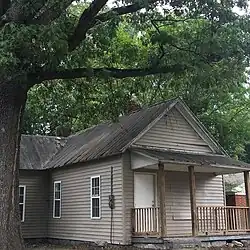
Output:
x=157 y=173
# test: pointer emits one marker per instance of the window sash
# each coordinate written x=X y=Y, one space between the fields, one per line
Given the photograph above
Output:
x=57 y=199
x=22 y=204
x=95 y=190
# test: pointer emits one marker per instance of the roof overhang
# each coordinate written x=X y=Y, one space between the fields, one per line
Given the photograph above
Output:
x=179 y=161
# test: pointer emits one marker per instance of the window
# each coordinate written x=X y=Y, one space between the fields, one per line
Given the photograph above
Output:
x=95 y=198
x=57 y=200
x=22 y=194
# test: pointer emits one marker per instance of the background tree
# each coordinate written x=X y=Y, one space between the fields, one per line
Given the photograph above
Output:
x=44 y=40
x=217 y=92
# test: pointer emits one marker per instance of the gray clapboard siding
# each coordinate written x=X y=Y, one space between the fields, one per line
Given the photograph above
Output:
x=75 y=222
x=209 y=191
x=36 y=203
x=128 y=196
x=174 y=132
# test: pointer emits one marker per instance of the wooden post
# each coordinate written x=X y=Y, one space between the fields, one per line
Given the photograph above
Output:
x=192 y=188
x=247 y=189
x=162 y=208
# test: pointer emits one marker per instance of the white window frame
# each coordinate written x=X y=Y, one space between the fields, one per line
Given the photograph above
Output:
x=58 y=199
x=96 y=197
x=24 y=200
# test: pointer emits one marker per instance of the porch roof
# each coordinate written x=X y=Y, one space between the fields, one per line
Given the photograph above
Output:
x=201 y=162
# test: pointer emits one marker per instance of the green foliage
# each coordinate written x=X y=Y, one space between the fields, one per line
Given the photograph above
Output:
x=216 y=93
x=24 y=48
x=211 y=42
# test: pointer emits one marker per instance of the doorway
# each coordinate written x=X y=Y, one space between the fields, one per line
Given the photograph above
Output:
x=144 y=190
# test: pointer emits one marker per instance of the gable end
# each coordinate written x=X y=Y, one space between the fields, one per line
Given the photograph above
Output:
x=174 y=132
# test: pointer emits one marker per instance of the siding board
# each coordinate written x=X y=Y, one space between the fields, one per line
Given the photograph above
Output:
x=36 y=203
x=128 y=196
x=174 y=132
x=209 y=191
x=75 y=222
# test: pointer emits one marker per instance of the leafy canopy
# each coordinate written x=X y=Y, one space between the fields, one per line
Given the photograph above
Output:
x=214 y=83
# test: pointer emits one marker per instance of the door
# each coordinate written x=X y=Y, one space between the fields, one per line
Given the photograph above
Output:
x=144 y=190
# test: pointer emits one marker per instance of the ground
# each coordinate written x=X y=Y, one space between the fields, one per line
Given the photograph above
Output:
x=82 y=247
x=78 y=247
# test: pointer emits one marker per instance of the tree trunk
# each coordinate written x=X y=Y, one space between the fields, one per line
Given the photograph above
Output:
x=12 y=102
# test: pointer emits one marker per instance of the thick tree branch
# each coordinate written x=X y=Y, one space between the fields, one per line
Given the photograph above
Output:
x=85 y=23
x=120 y=11
x=82 y=29
x=107 y=72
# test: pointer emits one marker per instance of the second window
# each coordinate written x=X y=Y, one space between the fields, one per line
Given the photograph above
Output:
x=95 y=198
x=57 y=200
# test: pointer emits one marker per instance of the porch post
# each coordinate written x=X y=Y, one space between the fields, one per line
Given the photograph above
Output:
x=247 y=189
x=192 y=188
x=162 y=208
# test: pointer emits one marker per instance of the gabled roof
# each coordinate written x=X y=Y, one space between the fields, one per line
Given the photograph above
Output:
x=99 y=141
x=107 y=139
x=36 y=151
x=200 y=128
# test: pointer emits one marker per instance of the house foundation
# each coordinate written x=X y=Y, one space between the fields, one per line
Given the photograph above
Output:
x=204 y=242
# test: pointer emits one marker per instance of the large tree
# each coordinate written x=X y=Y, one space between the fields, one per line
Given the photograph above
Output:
x=44 y=40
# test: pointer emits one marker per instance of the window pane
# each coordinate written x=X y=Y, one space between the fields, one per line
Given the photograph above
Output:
x=21 y=211
x=57 y=187
x=57 y=209
x=95 y=191
x=95 y=207
x=21 y=198
x=97 y=182
x=57 y=195
x=21 y=190
x=96 y=186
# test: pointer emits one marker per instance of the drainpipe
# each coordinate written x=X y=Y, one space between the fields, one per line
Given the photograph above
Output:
x=111 y=205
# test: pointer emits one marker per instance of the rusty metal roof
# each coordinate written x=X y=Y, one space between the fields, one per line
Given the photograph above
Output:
x=36 y=151
x=106 y=139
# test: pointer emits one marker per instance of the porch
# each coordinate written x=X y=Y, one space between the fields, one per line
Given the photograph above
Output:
x=211 y=220
x=204 y=219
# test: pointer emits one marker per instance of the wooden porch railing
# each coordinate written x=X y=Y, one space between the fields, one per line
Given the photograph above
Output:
x=145 y=221
x=212 y=219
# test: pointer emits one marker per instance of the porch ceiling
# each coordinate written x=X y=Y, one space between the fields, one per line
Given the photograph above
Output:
x=179 y=161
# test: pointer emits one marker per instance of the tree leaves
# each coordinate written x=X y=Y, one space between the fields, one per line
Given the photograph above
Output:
x=213 y=84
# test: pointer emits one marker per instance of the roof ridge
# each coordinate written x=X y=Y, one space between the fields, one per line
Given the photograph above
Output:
x=154 y=104
x=123 y=116
x=163 y=101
